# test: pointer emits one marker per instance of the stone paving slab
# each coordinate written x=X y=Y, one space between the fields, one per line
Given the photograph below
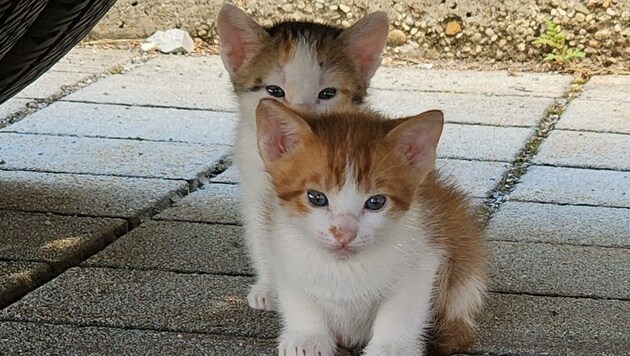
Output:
x=107 y=156
x=574 y=186
x=146 y=300
x=585 y=149
x=466 y=81
x=474 y=177
x=58 y=240
x=530 y=325
x=18 y=277
x=50 y=84
x=92 y=60
x=549 y=269
x=46 y=339
x=607 y=88
x=481 y=142
x=130 y=122
x=214 y=203
x=178 y=246
x=105 y=196
x=463 y=108
x=596 y=116
x=167 y=81
x=229 y=176
x=561 y=224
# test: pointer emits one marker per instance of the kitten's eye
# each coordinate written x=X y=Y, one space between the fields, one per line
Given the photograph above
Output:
x=375 y=202
x=275 y=91
x=327 y=93
x=317 y=198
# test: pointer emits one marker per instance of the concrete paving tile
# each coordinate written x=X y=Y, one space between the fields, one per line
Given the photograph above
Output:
x=607 y=88
x=182 y=82
x=50 y=84
x=474 y=177
x=48 y=339
x=562 y=224
x=585 y=149
x=17 y=278
x=146 y=300
x=132 y=122
x=466 y=81
x=550 y=269
x=596 y=116
x=462 y=108
x=574 y=186
x=58 y=240
x=92 y=60
x=481 y=142
x=130 y=198
x=213 y=203
x=12 y=106
x=229 y=176
x=529 y=325
x=178 y=246
x=107 y=156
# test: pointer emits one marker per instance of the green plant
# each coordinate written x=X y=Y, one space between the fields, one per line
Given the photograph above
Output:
x=555 y=39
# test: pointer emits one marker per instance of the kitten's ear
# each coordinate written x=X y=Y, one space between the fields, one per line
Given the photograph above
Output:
x=417 y=138
x=239 y=36
x=279 y=129
x=365 y=41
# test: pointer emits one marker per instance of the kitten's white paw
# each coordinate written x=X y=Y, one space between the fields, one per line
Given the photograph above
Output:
x=261 y=297
x=294 y=344
x=393 y=349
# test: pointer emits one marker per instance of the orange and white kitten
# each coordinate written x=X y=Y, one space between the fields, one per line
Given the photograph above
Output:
x=371 y=246
x=310 y=67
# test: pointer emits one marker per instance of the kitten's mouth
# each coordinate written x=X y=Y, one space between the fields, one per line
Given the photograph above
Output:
x=342 y=251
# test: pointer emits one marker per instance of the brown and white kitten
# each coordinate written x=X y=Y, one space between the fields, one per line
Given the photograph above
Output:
x=309 y=67
x=371 y=246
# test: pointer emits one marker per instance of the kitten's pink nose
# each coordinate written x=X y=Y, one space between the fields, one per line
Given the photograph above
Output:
x=345 y=230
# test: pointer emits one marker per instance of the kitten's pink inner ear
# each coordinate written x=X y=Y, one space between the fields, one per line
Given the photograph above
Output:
x=365 y=41
x=239 y=36
x=418 y=136
x=278 y=129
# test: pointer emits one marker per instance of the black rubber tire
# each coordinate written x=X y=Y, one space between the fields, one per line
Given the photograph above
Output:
x=15 y=18
x=60 y=25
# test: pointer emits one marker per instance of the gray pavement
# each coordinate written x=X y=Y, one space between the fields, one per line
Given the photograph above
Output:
x=120 y=229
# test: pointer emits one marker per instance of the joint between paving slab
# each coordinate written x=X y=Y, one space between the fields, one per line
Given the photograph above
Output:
x=531 y=93
x=150 y=106
x=523 y=160
x=570 y=204
x=171 y=270
x=555 y=295
x=112 y=138
x=37 y=104
x=590 y=168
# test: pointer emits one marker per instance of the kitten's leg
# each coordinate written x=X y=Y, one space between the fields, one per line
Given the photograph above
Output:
x=403 y=319
x=261 y=295
x=305 y=329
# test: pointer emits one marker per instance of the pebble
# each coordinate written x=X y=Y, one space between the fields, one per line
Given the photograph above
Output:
x=453 y=28
x=602 y=34
x=396 y=38
x=489 y=32
x=287 y=7
x=580 y=17
x=521 y=47
x=344 y=8
x=581 y=8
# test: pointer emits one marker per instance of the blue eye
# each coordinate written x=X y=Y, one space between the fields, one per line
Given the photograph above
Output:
x=275 y=91
x=375 y=202
x=317 y=198
x=327 y=93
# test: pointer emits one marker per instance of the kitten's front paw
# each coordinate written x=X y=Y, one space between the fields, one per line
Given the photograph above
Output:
x=294 y=344
x=261 y=297
x=393 y=349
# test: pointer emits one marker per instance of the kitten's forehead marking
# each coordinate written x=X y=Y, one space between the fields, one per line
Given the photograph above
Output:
x=302 y=74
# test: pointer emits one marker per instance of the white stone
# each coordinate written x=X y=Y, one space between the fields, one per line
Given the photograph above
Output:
x=172 y=41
